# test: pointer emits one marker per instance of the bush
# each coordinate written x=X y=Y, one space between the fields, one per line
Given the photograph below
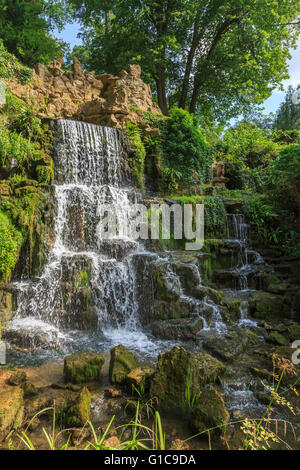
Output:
x=185 y=150
x=10 y=243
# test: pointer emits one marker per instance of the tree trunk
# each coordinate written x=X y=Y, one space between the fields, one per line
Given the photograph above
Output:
x=161 y=89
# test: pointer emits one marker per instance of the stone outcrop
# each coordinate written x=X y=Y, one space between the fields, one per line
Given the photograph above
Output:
x=83 y=367
x=122 y=362
x=105 y=99
x=180 y=372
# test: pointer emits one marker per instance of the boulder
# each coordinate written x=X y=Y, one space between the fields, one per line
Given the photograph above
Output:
x=166 y=283
x=175 y=370
x=79 y=413
x=122 y=362
x=210 y=411
x=268 y=306
x=83 y=367
x=168 y=310
x=181 y=328
x=189 y=276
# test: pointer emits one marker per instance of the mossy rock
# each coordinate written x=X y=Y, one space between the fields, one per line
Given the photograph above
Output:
x=171 y=310
x=122 y=362
x=181 y=328
x=210 y=411
x=166 y=283
x=175 y=369
x=83 y=367
x=294 y=331
x=79 y=413
x=189 y=275
x=11 y=408
x=268 y=306
x=201 y=292
x=277 y=338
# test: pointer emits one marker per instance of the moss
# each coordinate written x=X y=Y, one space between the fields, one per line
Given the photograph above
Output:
x=83 y=367
x=174 y=369
x=138 y=155
x=210 y=411
x=10 y=245
x=79 y=413
x=277 y=338
x=122 y=361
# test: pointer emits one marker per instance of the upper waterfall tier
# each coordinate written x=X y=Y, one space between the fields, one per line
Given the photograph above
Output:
x=86 y=154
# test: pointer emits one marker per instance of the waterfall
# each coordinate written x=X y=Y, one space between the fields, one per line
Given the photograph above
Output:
x=90 y=171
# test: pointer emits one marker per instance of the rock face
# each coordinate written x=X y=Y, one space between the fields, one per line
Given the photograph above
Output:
x=122 y=362
x=83 y=367
x=106 y=100
x=181 y=375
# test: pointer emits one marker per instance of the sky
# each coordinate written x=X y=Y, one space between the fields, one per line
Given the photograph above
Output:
x=69 y=34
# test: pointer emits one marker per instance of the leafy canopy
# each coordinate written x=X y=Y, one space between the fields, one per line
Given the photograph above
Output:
x=26 y=28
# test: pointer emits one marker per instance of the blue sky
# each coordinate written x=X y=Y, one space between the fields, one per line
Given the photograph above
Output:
x=69 y=34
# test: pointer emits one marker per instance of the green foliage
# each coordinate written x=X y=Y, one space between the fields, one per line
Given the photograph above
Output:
x=137 y=160
x=214 y=57
x=261 y=215
x=288 y=115
x=186 y=155
x=10 y=243
x=286 y=168
x=10 y=67
x=26 y=26
x=214 y=213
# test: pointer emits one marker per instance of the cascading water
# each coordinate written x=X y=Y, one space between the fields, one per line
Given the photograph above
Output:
x=249 y=262
x=90 y=172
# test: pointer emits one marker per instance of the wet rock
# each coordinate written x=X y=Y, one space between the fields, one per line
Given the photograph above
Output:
x=83 y=367
x=175 y=369
x=268 y=306
x=166 y=283
x=189 y=276
x=231 y=344
x=262 y=373
x=79 y=413
x=164 y=310
x=210 y=411
x=11 y=409
x=201 y=292
x=122 y=362
x=181 y=328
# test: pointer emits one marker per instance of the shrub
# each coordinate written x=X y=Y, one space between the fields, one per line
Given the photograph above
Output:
x=185 y=150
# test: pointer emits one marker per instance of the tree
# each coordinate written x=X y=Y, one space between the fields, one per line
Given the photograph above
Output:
x=288 y=115
x=209 y=56
x=26 y=28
